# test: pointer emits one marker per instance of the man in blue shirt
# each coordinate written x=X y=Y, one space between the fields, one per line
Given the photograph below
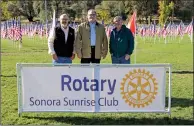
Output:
x=91 y=41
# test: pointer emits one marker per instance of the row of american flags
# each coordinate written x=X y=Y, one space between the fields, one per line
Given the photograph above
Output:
x=154 y=30
x=14 y=30
x=11 y=30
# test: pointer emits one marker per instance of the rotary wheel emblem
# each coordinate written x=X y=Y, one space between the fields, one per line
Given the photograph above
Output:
x=139 y=88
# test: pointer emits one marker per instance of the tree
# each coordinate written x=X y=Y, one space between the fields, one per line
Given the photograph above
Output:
x=77 y=7
x=92 y=3
x=21 y=8
x=5 y=14
x=128 y=7
x=9 y=9
x=144 y=8
x=39 y=9
x=104 y=15
x=56 y=4
x=110 y=6
x=122 y=8
x=183 y=9
x=165 y=9
x=26 y=9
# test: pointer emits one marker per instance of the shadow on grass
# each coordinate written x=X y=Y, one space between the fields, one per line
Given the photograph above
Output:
x=8 y=75
x=116 y=121
x=183 y=72
x=100 y=120
x=180 y=102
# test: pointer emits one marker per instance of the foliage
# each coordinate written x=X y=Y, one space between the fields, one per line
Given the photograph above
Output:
x=5 y=14
x=26 y=9
x=164 y=10
x=103 y=15
x=9 y=10
x=146 y=9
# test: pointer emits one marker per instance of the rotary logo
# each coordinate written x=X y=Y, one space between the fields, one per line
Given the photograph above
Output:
x=139 y=88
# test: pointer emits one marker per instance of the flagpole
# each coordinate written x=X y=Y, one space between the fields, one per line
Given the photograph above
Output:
x=13 y=32
x=46 y=18
x=20 y=44
x=135 y=47
x=165 y=39
x=191 y=37
x=135 y=37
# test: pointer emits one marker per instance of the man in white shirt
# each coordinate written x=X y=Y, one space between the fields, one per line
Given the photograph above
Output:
x=61 y=42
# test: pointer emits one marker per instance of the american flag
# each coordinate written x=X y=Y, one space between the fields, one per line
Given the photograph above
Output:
x=11 y=30
x=17 y=29
x=153 y=29
x=189 y=28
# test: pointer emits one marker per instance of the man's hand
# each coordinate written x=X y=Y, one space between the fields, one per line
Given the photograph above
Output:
x=73 y=56
x=78 y=56
x=55 y=57
x=127 y=57
x=103 y=57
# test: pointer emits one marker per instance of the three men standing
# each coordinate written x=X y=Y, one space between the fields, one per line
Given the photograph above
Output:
x=91 y=44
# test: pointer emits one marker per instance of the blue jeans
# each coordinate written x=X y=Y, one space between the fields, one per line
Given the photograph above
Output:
x=62 y=60
x=120 y=60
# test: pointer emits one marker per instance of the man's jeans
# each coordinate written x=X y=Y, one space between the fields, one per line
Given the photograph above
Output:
x=120 y=60
x=63 y=60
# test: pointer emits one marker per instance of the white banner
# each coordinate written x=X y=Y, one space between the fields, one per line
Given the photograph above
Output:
x=93 y=89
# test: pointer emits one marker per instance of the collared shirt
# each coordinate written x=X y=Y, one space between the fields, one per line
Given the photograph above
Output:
x=93 y=33
x=65 y=32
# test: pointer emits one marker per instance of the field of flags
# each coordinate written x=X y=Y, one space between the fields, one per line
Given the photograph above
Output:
x=166 y=33
x=14 y=30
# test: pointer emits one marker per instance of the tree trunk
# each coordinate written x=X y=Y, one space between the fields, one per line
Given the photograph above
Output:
x=30 y=19
x=151 y=19
x=146 y=19
x=140 y=20
x=57 y=9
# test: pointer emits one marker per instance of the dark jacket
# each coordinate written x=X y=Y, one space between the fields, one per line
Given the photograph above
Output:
x=62 y=48
x=121 y=42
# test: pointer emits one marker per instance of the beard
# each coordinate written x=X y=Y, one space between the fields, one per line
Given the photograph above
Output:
x=64 y=25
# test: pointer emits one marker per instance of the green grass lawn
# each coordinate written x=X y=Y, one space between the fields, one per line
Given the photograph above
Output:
x=180 y=55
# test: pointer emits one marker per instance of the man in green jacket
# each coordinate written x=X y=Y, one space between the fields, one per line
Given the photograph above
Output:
x=121 y=42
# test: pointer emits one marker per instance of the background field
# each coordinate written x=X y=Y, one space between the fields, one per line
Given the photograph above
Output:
x=180 y=55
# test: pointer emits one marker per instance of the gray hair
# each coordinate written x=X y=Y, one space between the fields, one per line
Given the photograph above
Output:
x=63 y=15
x=92 y=10
x=117 y=18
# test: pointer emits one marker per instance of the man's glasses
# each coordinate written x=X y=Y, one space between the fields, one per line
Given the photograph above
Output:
x=92 y=14
x=117 y=21
x=65 y=19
